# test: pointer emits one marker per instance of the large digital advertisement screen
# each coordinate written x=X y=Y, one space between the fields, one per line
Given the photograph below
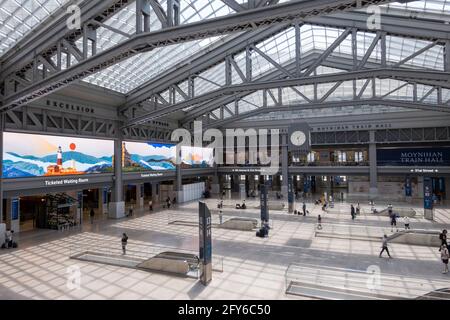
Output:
x=141 y=156
x=195 y=157
x=32 y=155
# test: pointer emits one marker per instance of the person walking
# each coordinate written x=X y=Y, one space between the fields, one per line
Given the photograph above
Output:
x=92 y=215
x=406 y=221
x=384 y=247
x=220 y=217
x=124 y=243
x=304 y=209
x=150 y=205
x=319 y=222
x=130 y=211
x=393 y=222
x=358 y=209
x=443 y=238
x=444 y=257
x=352 y=211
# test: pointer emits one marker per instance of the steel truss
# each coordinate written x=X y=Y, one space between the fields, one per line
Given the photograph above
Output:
x=36 y=74
x=301 y=72
x=404 y=135
x=40 y=120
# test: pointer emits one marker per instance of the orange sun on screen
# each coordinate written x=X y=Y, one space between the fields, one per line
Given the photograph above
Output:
x=73 y=146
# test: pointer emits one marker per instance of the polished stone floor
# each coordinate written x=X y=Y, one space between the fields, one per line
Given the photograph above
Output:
x=252 y=268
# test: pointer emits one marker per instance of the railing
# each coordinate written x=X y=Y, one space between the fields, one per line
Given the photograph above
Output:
x=136 y=252
x=323 y=282
x=330 y=164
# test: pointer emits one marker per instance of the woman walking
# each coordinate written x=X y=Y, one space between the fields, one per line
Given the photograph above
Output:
x=444 y=257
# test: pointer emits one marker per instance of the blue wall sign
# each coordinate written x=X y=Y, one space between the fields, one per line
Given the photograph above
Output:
x=15 y=207
x=429 y=157
x=263 y=202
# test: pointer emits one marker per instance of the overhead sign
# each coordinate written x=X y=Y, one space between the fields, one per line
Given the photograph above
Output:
x=414 y=157
x=205 y=242
x=263 y=203
x=15 y=209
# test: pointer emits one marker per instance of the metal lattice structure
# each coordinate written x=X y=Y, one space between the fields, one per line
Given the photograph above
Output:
x=225 y=60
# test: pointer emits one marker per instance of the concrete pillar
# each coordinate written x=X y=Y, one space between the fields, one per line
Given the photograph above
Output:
x=236 y=183
x=215 y=184
x=140 y=195
x=373 y=176
x=447 y=188
x=284 y=166
x=116 y=209
x=179 y=184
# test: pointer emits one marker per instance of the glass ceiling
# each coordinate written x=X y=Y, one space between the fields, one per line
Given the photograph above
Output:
x=431 y=6
x=19 y=17
x=129 y=74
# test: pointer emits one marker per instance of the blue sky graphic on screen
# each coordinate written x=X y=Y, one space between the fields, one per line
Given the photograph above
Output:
x=32 y=155
x=139 y=156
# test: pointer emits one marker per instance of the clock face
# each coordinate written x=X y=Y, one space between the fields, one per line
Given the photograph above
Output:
x=298 y=138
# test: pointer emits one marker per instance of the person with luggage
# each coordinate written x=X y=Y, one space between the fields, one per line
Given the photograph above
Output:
x=124 y=243
x=444 y=257
x=92 y=215
x=384 y=247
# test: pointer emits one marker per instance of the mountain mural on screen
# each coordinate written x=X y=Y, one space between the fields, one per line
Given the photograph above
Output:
x=138 y=156
x=196 y=157
x=70 y=156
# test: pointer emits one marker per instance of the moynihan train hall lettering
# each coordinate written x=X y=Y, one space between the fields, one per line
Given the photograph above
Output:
x=422 y=157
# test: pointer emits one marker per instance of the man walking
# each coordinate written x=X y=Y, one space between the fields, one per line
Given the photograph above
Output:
x=385 y=247
x=352 y=211
x=124 y=243
x=393 y=222
x=92 y=215
x=304 y=209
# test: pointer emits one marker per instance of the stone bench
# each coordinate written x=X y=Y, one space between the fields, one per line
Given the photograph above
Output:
x=242 y=224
